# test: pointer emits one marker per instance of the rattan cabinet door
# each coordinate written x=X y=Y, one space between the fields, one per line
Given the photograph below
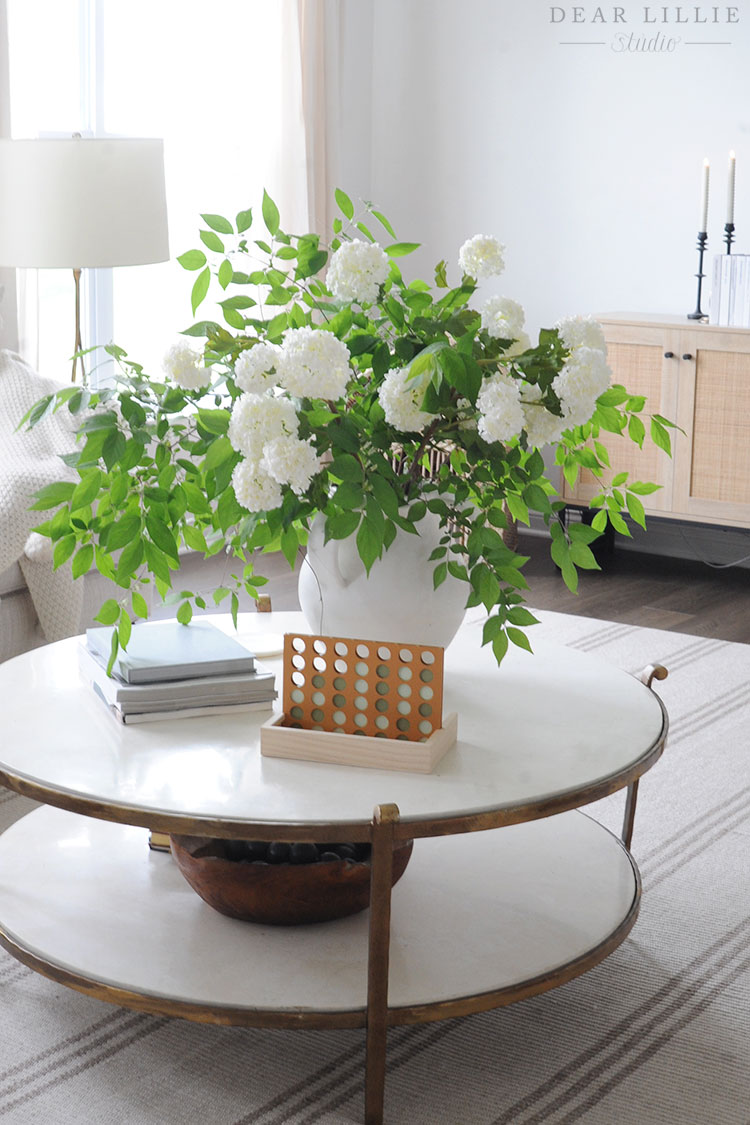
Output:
x=712 y=461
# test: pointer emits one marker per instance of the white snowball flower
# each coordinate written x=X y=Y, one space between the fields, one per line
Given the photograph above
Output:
x=254 y=488
x=499 y=404
x=401 y=399
x=313 y=364
x=581 y=332
x=585 y=376
x=482 y=256
x=257 y=420
x=503 y=318
x=357 y=270
x=291 y=461
x=183 y=364
x=542 y=428
x=252 y=371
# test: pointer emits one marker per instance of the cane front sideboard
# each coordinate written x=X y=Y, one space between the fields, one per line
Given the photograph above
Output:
x=698 y=376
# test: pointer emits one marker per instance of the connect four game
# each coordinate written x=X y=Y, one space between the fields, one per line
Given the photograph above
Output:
x=384 y=696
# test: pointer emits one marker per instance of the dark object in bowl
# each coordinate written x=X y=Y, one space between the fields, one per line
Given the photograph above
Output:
x=278 y=894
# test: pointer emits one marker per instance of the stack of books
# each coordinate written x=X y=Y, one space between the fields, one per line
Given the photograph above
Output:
x=730 y=290
x=173 y=671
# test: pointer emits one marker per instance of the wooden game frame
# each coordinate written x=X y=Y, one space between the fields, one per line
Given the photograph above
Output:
x=354 y=701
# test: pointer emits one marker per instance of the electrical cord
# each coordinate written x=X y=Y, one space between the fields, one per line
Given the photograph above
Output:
x=714 y=566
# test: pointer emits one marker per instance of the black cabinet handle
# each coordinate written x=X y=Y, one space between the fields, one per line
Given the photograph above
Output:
x=669 y=355
x=687 y=355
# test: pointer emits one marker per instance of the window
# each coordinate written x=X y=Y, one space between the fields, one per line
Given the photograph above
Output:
x=210 y=80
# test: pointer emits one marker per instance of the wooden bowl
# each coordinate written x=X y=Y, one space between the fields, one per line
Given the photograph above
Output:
x=282 y=894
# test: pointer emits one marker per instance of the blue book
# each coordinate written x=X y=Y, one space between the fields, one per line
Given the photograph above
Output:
x=166 y=650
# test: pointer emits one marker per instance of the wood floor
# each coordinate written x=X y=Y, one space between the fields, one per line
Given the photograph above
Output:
x=645 y=589
x=637 y=589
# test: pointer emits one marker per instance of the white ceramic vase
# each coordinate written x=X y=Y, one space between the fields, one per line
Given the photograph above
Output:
x=395 y=602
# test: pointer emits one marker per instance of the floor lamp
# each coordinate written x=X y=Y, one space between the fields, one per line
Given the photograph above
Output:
x=82 y=203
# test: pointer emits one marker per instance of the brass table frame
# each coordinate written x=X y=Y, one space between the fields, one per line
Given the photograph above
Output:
x=385 y=828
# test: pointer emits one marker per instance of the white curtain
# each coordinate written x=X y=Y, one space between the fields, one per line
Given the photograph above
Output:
x=8 y=314
x=320 y=40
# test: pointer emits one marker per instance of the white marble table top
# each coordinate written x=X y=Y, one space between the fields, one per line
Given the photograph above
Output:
x=553 y=723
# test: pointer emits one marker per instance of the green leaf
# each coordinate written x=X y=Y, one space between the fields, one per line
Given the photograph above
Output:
x=194 y=538
x=108 y=613
x=613 y=396
x=346 y=467
x=113 y=449
x=635 y=509
x=114 y=648
x=225 y=273
x=83 y=561
x=500 y=646
x=139 y=603
x=200 y=288
x=342 y=525
x=125 y=628
x=157 y=562
x=599 y=522
x=122 y=532
x=244 y=220
x=384 y=223
x=185 y=613
x=384 y=494
x=439 y=575
x=519 y=615
x=518 y=638
x=581 y=555
x=86 y=490
x=570 y=576
x=270 y=213
x=212 y=241
x=369 y=543
x=399 y=249
x=162 y=536
x=290 y=545
x=643 y=488
x=660 y=436
x=52 y=495
x=218 y=452
x=129 y=561
x=192 y=260
x=517 y=508
x=489 y=588
x=345 y=203
x=219 y=223
x=636 y=430
x=64 y=548
x=214 y=421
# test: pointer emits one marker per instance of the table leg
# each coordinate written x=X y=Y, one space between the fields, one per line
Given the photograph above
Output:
x=629 y=818
x=384 y=820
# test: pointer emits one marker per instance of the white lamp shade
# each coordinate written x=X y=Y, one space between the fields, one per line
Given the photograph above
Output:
x=82 y=202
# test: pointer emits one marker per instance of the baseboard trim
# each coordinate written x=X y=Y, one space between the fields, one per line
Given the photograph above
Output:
x=717 y=547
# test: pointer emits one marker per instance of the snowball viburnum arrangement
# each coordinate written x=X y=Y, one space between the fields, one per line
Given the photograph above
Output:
x=333 y=385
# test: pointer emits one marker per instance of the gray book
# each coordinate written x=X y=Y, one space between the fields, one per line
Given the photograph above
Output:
x=164 y=695
x=166 y=650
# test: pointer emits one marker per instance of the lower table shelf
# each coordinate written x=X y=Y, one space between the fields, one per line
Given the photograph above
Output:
x=477 y=920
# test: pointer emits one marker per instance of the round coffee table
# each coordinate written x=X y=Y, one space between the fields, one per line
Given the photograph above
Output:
x=478 y=920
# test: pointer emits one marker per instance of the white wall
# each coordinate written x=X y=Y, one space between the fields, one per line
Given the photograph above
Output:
x=585 y=162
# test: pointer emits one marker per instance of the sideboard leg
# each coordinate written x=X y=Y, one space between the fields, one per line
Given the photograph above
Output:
x=384 y=820
x=629 y=819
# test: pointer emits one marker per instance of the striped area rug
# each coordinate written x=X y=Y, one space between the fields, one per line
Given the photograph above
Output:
x=658 y=1033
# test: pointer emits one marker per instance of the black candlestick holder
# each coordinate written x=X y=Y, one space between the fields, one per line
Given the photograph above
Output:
x=729 y=236
x=702 y=240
